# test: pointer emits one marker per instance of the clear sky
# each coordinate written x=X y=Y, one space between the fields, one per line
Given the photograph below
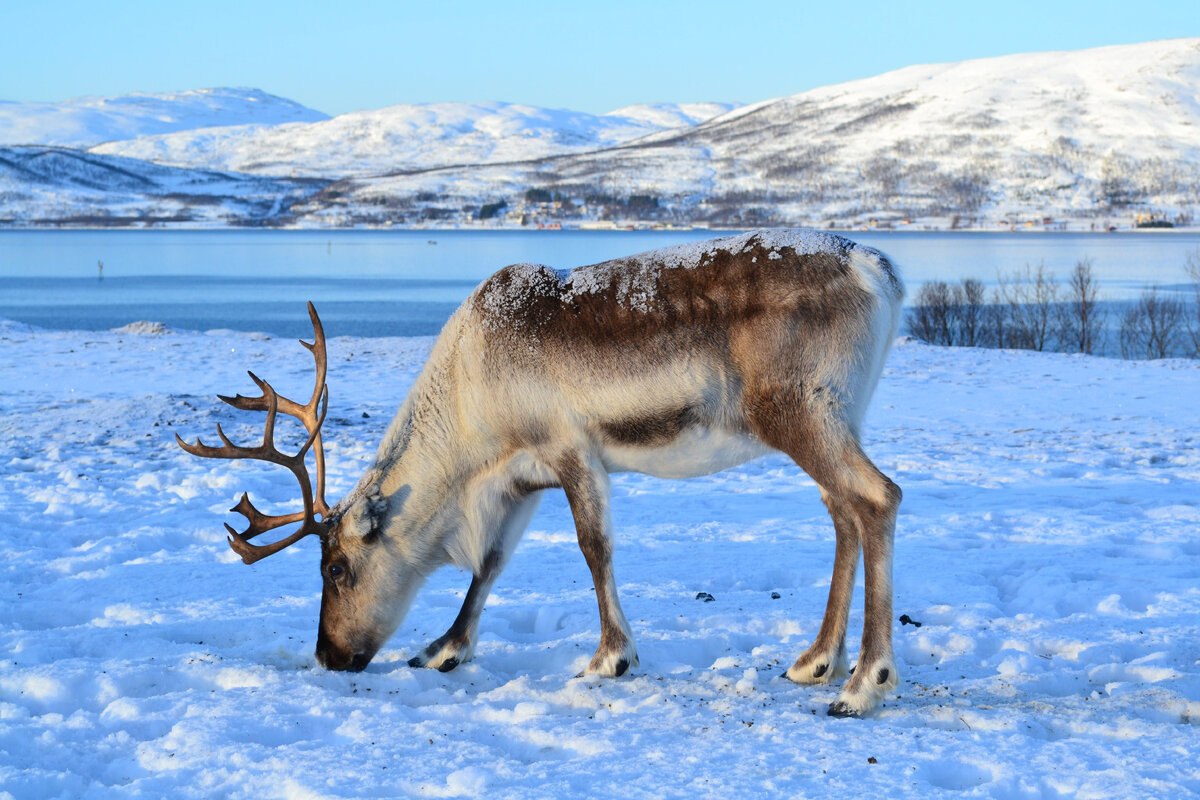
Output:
x=591 y=56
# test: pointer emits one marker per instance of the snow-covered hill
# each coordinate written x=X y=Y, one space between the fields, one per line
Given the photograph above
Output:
x=59 y=185
x=410 y=137
x=1097 y=132
x=87 y=121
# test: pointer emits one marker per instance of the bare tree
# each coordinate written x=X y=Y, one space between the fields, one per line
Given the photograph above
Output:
x=1045 y=300
x=995 y=322
x=1080 y=319
x=949 y=315
x=931 y=317
x=1029 y=299
x=1191 y=263
x=1150 y=327
x=969 y=299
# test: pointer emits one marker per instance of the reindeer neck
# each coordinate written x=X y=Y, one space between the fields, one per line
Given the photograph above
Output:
x=421 y=467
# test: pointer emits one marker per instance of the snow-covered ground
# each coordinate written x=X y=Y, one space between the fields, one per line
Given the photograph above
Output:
x=1047 y=543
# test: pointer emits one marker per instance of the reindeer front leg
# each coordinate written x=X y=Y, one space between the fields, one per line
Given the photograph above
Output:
x=585 y=482
x=457 y=645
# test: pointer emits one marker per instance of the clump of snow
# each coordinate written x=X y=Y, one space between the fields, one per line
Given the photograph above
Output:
x=504 y=301
x=1046 y=544
x=11 y=327
x=144 y=328
x=803 y=241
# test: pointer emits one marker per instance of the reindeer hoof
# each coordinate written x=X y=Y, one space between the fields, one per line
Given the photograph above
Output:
x=448 y=664
x=416 y=661
x=840 y=709
x=612 y=665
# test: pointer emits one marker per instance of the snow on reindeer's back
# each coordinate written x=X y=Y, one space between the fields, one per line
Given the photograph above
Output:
x=634 y=279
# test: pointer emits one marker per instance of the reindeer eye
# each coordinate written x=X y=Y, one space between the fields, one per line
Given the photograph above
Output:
x=335 y=571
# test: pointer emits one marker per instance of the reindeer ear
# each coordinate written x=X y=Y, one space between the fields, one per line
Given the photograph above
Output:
x=365 y=518
x=377 y=506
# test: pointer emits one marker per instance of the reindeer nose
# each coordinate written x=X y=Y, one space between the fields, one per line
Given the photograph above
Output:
x=331 y=657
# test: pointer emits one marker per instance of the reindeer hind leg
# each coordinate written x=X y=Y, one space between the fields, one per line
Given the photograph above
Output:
x=826 y=661
x=862 y=502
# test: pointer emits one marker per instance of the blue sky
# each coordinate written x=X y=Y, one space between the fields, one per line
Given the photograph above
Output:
x=596 y=57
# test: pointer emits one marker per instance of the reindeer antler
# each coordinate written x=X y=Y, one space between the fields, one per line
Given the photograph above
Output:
x=311 y=415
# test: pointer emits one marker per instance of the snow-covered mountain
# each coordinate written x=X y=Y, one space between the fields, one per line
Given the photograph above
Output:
x=409 y=137
x=60 y=185
x=1091 y=135
x=87 y=121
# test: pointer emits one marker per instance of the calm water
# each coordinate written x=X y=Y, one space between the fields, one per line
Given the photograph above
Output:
x=389 y=283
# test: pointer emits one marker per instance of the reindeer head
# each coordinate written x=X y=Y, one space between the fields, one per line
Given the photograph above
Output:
x=365 y=592
x=368 y=584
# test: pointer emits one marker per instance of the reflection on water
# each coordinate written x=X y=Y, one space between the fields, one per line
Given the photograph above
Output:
x=388 y=283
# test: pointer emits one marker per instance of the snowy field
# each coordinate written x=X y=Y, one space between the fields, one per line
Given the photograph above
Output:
x=1049 y=543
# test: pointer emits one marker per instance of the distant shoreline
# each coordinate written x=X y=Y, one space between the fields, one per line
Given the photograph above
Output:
x=846 y=231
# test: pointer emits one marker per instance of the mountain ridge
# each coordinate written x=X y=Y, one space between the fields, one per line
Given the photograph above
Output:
x=83 y=122
x=408 y=136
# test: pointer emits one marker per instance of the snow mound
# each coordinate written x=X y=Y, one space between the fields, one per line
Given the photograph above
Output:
x=10 y=327
x=144 y=328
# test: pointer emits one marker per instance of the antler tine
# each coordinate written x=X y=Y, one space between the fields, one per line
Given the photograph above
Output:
x=290 y=407
x=314 y=438
x=265 y=451
x=260 y=522
x=253 y=552
x=317 y=348
x=312 y=416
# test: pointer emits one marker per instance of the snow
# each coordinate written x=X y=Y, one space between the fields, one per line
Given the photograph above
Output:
x=635 y=279
x=1046 y=544
x=88 y=121
x=410 y=137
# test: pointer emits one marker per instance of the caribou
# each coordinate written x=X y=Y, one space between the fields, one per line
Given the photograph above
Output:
x=677 y=362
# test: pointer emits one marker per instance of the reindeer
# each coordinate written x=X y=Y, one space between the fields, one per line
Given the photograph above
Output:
x=678 y=362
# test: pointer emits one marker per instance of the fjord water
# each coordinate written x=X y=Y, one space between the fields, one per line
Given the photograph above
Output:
x=401 y=283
